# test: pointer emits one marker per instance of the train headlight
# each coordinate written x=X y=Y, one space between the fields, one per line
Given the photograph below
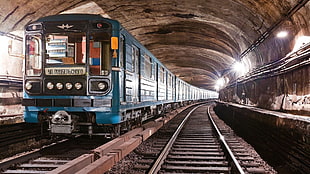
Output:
x=99 y=86
x=50 y=85
x=69 y=86
x=59 y=86
x=78 y=86
x=28 y=86
x=102 y=85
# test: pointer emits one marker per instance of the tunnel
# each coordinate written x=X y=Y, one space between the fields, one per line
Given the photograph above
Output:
x=252 y=53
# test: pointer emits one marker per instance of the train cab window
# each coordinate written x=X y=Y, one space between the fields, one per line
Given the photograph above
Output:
x=99 y=54
x=66 y=49
x=33 y=55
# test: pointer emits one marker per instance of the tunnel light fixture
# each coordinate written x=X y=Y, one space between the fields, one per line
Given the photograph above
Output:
x=220 y=83
x=240 y=68
x=282 y=34
x=301 y=42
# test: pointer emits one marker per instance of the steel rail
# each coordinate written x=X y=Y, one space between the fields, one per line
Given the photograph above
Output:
x=10 y=115
x=157 y=164
x=227 y=148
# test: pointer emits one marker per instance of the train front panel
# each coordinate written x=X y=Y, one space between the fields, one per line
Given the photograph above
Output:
x=68 y=80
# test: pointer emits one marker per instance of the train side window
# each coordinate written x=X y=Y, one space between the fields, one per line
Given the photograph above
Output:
x=161 y=75
x=135 y=58
x=154 y=70
x=148 y=65
x=121 y=50
x=129 y=62
x=169 y=80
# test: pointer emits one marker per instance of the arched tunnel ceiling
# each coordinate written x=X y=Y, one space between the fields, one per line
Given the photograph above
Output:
x=195 y=39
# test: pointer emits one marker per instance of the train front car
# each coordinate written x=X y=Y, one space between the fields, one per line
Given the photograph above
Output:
x=68 y=73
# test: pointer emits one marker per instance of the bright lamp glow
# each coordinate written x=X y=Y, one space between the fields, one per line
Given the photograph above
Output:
x=220 y=83
x=300 y=42
x=282 y=34
x=238 y=66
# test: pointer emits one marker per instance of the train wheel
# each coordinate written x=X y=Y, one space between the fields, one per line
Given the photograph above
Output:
x=126 y=126
x=116 y=131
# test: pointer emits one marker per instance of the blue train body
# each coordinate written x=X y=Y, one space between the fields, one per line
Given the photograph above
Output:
x=86 y=73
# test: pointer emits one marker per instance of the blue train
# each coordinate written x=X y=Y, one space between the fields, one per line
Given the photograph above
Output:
x=85 y=74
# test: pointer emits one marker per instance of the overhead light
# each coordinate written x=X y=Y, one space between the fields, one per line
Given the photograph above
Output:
x=301 y=42
x=216 y=87
x=238 y=66
x=282 y=34
x=220 y=83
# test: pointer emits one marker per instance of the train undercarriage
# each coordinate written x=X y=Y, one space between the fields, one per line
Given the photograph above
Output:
x=63 y=123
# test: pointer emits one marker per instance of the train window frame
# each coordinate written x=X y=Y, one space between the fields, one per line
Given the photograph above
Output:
x=161 y=74
x=75 y=52
x=128 y=61
x=122 y=49
x=33 y=63
x=154 y=75
x=105 y=53
x=135 y=58
x=169 y=80
x=148 y=67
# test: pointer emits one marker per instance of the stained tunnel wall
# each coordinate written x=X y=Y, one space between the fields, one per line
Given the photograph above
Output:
x=282 y=142
x=287 y=92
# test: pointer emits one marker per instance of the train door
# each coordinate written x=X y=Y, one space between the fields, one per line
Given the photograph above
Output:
x=136 y=74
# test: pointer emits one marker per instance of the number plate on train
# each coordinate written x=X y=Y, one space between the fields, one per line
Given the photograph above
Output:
x=65 y=71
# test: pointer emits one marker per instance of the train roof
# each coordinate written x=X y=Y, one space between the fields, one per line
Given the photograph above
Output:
x=74 y=17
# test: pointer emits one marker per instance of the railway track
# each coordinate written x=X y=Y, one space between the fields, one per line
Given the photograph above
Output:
x=16 y=138
x=199 y=146
x=10 y=134
x=66 y=156
x=51 y=157
x=194 y=147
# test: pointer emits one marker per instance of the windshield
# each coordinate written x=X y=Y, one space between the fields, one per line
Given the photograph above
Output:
x=67 y=53
x=99 y=53
x=65 y=49
x=33 y=56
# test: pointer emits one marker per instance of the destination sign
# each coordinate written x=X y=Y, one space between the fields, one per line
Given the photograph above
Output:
x=65 y=71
